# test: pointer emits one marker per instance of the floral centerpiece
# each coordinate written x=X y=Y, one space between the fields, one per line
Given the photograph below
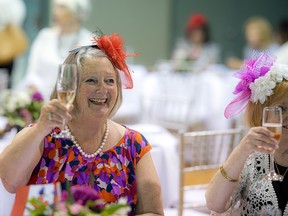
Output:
x=21 y=107
x=78 y=200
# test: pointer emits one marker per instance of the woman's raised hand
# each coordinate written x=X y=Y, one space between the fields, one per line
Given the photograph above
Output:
x=258 y=139
x=52 y=115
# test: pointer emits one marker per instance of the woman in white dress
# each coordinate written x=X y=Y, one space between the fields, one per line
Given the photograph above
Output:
x=52 y=44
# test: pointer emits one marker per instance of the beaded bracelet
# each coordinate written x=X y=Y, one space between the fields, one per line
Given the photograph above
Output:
x=224 y=174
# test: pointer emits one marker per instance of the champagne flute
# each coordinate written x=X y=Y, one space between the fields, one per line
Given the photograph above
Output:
x=66 y=86
x=272 y=120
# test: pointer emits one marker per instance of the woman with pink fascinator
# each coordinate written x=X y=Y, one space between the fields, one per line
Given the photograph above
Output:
x=245 y=183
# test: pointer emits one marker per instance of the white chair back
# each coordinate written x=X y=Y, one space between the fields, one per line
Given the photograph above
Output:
x=168 y=111
x=201 y=154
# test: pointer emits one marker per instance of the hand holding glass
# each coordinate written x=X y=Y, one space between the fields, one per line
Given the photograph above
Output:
x=272 y=120
x=66 y=90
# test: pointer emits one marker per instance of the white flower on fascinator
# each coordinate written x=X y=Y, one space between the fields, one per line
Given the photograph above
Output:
x=262 y=88
x=279 y=72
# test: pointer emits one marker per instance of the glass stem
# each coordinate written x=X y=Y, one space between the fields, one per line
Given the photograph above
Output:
x=64 y=126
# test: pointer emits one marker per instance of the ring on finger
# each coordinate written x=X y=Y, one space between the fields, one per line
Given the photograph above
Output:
x=49 y=115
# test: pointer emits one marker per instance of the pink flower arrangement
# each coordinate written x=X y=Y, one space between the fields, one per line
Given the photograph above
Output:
x=78 y=200
x=82 y=198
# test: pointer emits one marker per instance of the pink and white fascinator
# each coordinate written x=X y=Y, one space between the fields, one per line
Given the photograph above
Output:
x=258 y=77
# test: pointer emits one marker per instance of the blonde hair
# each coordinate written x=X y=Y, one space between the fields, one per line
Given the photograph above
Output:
x=253 y=112
x=78 y=59
x=264 y=27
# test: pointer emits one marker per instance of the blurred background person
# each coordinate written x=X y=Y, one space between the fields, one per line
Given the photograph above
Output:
x=196 y=51
x=282 y=40
x=53 y=43
x=259 y=37
x=13 y=40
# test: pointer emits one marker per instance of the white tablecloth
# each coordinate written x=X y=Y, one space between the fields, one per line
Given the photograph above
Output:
x=186 y=212
x=6 y=198
x=165 y=157
x=209 y=93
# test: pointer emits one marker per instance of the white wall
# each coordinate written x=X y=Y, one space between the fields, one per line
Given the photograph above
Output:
x=145 y=25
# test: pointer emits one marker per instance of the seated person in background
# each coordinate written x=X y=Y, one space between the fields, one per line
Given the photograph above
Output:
x=282 y=40
x=259 y=37
x=112 y=159
x=51 y=44
x=196 y=52
x=241 y=177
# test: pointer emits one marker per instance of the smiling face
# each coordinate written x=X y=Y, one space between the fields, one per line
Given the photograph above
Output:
x=99 y=90
x=97 y=93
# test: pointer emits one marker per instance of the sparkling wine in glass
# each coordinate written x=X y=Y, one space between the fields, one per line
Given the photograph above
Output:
x=66 y=87
x=272 y=120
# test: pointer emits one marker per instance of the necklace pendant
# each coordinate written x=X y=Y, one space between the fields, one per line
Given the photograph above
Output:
x=281 y=178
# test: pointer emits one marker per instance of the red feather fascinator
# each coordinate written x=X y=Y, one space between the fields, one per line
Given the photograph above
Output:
x=112 y=45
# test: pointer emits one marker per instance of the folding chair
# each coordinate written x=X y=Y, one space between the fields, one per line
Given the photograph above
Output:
x=201 y=154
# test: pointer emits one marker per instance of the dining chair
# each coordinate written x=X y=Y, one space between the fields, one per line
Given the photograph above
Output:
x=201 y=153
x=168 y=111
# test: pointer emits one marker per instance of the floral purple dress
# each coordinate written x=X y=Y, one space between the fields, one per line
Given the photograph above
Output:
x=111 y=173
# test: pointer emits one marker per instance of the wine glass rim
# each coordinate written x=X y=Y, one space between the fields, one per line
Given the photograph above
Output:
x=276 y=109
x=272 y=107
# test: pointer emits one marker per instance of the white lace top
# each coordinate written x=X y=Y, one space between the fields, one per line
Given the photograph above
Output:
x=253 y=192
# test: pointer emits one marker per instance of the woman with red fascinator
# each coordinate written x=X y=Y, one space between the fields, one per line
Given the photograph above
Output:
x=196 y=51
x=112 y=159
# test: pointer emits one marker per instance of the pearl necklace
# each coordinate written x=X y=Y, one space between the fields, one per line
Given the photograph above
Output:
x=98 y=151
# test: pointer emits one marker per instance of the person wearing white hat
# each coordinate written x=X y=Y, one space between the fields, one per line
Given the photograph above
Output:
x=53 y=43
